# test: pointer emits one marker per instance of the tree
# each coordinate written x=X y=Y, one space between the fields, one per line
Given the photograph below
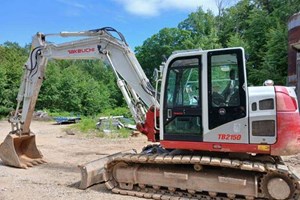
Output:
x=203 y=28
x=275 y=58
x=12 y=58
x=160 y=45
x=77 y=86
x=3 y=92
x=49 y=96
x=234 y=21
x=88 y=87
x=260 y=26
x=85 y=87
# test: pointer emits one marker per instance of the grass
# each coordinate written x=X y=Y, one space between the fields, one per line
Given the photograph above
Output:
x=87 y=124
x=119 y=111
x=124 y=133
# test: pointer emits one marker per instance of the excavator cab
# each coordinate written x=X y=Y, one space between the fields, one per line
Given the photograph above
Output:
x=20 y=151
x=205 y=95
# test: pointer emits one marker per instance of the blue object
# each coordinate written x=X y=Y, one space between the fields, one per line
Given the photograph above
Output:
x=61 y=120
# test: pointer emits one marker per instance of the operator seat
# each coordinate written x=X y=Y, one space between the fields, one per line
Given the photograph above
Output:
x=231 y=92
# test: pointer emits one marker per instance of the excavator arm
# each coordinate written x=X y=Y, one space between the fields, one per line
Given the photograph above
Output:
x=31 y=83
x=19 y=148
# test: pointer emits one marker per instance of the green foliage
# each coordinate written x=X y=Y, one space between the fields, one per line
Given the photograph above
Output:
x=236 y=40
x=234 y=21
x=81 y=87
x=275 y=59
x=12 y=58
x=124 y=133
x=260 y=26
x=3 y=85
x=85 y=87
x=86 y=125
x=89 y=87
x=118 y=111
x=59 y=113
x=160 y=45
x=203 y=28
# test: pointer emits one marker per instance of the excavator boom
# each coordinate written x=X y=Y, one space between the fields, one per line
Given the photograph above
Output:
x=19 y=148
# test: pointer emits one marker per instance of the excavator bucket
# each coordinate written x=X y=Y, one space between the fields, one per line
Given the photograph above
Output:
x=20 y=151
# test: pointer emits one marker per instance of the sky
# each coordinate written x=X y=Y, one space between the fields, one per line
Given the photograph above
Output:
x=136 y=19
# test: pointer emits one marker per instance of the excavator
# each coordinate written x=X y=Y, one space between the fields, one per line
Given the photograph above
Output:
x=214 y=137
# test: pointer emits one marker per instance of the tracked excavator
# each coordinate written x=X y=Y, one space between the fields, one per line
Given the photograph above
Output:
x=213 y=136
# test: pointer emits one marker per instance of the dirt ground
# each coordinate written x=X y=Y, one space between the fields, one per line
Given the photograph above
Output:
x=59 y=178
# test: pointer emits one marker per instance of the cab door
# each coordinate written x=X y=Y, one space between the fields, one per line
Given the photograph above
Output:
x=182 y=118
x=227 y=97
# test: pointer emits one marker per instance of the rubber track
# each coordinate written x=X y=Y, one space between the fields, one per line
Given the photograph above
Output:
x=165 y=194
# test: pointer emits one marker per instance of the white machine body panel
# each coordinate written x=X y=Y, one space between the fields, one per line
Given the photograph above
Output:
x=262 y=115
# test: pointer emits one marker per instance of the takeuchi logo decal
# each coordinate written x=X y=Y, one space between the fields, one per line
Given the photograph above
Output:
x=76 y=51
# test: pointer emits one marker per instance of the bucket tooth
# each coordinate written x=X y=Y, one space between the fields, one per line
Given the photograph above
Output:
x=20 y=151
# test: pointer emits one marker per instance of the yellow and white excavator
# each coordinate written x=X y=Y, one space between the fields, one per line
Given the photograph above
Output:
x=215 y=137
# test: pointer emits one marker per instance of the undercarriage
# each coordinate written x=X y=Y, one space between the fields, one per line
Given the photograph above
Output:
x=168 y=176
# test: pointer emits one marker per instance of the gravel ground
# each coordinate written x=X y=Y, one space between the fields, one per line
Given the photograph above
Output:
x=58 y=179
